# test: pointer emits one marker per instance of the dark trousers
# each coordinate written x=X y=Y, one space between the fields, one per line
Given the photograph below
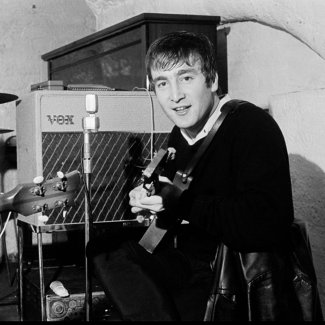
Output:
x=167 y=285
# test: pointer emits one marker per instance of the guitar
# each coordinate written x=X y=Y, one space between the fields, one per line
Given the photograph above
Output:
x=154 y=233
x=30 y=198
x=150 y=178
x=182 y=181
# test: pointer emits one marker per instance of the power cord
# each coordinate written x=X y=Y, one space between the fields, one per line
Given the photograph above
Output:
x=152 y=120
x=5 y=225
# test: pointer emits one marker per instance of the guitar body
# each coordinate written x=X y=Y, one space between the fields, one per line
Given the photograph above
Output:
x=154 y=234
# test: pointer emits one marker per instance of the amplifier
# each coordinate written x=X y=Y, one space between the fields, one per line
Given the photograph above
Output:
x=73 y=307
x=50 y=139
x=67 y=308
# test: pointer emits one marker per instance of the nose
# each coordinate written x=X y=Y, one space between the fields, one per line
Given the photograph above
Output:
x=176 y=93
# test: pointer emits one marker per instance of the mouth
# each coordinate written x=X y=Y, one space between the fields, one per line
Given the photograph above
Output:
x=181 y=109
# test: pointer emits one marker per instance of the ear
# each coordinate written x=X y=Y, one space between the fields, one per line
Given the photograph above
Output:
x=215 y=84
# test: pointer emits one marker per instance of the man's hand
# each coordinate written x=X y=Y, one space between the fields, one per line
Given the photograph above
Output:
x=139 y=201
x=166 y=199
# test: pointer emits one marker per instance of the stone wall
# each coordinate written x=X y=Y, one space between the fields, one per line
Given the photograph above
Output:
x=30 y=28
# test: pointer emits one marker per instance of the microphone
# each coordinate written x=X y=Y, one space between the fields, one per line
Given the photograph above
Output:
x=90 y=124
x=91 y=103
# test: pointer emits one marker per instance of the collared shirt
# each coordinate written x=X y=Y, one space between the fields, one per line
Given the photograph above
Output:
x=209 y=124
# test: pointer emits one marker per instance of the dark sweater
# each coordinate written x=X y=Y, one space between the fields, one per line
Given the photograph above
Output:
x=241 y=189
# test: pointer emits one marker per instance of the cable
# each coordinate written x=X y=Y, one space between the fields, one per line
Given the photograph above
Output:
x=33 y=228
x=5 y=225
x=152 y=121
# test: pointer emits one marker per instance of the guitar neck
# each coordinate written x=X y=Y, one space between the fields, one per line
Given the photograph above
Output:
x=7 y=200
x=153 y=235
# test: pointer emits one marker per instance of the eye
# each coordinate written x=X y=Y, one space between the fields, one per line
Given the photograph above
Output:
x=161 y=84
x=186 y=78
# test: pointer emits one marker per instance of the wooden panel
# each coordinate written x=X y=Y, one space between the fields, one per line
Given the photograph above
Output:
x=114 y=57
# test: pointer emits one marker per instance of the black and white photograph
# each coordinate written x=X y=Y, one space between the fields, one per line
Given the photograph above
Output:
x=162 y=160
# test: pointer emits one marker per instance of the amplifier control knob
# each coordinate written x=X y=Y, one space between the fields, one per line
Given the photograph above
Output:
x=58 y=308
x=72 y=304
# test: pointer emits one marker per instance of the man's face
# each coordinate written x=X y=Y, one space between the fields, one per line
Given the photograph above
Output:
x=184 y=95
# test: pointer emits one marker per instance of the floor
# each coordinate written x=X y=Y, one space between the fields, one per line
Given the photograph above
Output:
x=9 y=298
x=103 y=310
x=8 y=293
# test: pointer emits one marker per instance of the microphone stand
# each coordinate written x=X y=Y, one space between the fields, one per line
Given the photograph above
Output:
x=90 y=125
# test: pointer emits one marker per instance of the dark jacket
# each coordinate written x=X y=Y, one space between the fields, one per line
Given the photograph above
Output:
x=241 y=198
x=241 y=189
x=266 y=286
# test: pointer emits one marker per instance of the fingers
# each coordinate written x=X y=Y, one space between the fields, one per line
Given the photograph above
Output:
x=136 y=209
x=138 y=192
x=140 y=210
x=139 y=200
x=152 y=203
x=151 y=200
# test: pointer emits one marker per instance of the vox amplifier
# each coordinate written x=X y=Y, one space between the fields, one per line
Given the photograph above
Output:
x=50 y=138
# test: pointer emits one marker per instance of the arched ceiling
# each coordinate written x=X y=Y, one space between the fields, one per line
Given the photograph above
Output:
x=303 y=19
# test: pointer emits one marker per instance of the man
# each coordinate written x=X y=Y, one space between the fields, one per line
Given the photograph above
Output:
x=240 y=193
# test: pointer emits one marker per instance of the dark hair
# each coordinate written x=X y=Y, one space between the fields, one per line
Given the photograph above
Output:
x=182 y=47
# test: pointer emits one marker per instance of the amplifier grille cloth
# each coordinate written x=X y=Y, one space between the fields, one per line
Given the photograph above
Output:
x=118 y=159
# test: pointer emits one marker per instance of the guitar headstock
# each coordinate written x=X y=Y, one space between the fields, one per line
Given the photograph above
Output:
x=40 y=196
x=150 y=175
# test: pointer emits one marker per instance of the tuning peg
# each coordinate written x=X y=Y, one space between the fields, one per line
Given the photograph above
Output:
x=40 y=208
x=38 y=189
x=63 y=204
x=60 y=174
x=38 y=180
x=62 y=185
